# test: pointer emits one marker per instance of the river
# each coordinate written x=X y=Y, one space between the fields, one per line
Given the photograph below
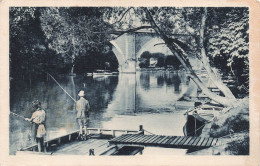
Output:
x=124 y=101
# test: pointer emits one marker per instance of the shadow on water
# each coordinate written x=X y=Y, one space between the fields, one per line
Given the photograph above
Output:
x=125 y=101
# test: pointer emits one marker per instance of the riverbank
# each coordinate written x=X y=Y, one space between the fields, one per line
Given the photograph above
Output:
x=233 y=127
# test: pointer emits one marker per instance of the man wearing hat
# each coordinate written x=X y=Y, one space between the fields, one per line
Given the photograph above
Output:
x=82 y=106
x=38 y=127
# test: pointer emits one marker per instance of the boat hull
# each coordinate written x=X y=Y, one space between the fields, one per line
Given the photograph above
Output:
x=193 y=126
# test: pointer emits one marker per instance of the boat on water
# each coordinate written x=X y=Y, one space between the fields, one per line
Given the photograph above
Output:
x=104 y=73
x=187 y=102
x=198 y=117
x=88 y=74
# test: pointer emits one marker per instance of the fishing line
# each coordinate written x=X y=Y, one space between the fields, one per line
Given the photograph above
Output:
x=18 y=116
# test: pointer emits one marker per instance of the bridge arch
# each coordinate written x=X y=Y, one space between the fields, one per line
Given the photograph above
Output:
x=129 y=47
x=118 y=52
x=148 y=45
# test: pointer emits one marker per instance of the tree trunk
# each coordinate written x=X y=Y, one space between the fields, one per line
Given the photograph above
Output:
x=222 y=87
x=73 y=64
x=72 y=69
x=179 y=54
x=73 y=91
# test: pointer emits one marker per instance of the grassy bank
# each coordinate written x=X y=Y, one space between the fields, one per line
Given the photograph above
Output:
x=234 y=125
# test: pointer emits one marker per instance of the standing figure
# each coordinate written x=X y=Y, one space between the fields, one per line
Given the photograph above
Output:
x=38 y=127
x=82 y=106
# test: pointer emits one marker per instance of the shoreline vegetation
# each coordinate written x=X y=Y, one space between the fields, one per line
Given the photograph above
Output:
x=233 y=127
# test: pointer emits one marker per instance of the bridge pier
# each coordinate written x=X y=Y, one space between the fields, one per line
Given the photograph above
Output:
x=127 y=67
x=124 y=49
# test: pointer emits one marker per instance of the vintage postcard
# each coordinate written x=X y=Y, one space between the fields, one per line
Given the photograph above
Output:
x=129 y=82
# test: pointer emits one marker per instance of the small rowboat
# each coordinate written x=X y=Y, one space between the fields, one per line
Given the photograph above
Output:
x=198 y=117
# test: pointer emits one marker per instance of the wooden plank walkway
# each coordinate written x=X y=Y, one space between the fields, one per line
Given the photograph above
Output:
x=166 y=141
x=82 y=147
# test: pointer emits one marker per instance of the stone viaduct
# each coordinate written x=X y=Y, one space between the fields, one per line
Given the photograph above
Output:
x=129 y=47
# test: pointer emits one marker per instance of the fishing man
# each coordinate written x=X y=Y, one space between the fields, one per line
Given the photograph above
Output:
x=38 y=127
x=82 y=107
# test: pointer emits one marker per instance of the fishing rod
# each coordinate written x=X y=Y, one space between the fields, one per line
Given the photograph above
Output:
x=61 y=86
x=57 y=84
x=18 y=115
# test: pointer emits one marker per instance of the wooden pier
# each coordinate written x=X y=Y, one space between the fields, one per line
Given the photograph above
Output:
x=166 y=141
x=117 y=142
x=96 y=144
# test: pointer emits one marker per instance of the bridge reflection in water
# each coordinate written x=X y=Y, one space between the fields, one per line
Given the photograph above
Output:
x=147 y=97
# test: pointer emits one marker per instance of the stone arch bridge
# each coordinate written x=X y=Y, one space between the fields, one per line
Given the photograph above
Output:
x=130 y=46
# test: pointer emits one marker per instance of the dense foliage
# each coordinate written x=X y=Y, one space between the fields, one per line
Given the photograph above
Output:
x=228 y=41
x=28 y=48
x=54 y=39
x=59 y=39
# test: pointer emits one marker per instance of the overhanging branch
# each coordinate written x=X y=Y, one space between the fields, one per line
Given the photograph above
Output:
x=123 y=15
x=125 y=31
x=160 y=44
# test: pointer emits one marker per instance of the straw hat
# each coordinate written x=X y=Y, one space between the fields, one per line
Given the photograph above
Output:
x=81 y=93
x=36 y=104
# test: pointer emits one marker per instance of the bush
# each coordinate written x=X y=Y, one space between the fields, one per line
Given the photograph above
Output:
x=236 y=120
x=239 y=147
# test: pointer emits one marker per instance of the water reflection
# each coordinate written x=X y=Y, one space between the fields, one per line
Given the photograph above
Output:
x=124 y=101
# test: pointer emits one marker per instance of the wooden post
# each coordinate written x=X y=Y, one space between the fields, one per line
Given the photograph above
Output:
x=91 y=152
x=45 y=147
x=195 y=124
x=113 y=133
x=141 y=129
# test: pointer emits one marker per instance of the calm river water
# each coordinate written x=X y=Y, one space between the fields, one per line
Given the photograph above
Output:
x=117 y=102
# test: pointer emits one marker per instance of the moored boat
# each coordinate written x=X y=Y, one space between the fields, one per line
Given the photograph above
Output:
x=102 y=72
x=190 y=102
x=198 y=117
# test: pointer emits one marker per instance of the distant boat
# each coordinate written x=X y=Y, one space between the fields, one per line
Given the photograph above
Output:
x=89 y=74
x=104 y=73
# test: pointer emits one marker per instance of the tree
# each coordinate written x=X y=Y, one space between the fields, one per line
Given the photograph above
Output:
x=29 y=53
x=172 y=60
x=228 y=39
x=72 y=32
x=182 y=30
